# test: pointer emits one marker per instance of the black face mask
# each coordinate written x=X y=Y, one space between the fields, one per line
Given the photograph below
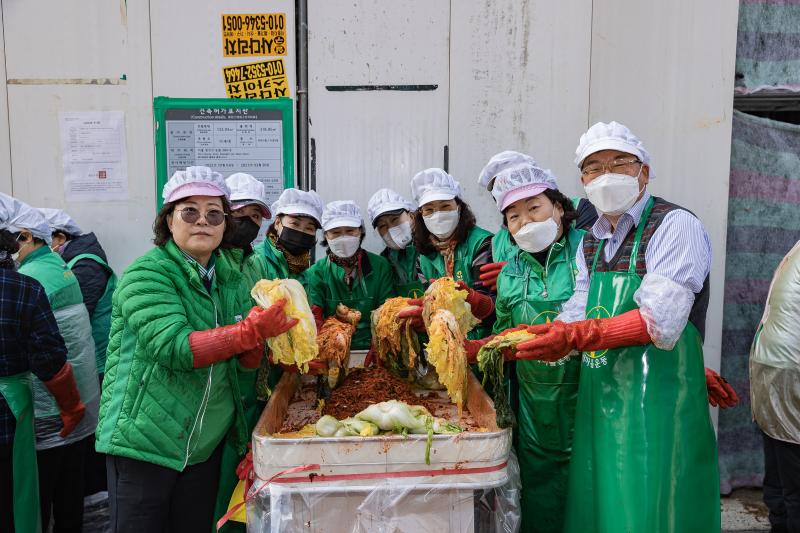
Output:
x=296 y=242
x=244 y=232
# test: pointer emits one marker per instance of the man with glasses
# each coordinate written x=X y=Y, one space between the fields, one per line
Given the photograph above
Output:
x=644 y=454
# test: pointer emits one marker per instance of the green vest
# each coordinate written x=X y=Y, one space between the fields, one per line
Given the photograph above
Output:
x=530 y=293
x=267 y=262
x=502 y=247
x=404 y=271
x=101 y=318
x=156 y=406
x=326 y=288
x=432 y=267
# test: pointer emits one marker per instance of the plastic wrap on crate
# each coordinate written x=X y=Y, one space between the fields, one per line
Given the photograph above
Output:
x=402 y=505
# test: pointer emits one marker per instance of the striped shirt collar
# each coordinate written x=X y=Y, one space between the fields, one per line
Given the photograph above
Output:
x=602 y=229
x=205 y=273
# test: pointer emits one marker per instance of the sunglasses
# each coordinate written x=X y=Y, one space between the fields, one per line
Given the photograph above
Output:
x=190 y=215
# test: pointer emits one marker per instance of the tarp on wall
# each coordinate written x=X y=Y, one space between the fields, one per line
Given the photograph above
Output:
x=763 y=225
x=768 y=46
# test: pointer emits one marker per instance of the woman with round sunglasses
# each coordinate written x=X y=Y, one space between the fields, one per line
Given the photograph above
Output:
x=182 y=326
x=451 y=244
x=531 y=289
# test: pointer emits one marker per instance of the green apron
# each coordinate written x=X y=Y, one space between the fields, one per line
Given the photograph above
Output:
x=644 y=453
x=16 y=390
x=547 y=392
x=406 y=282
x=101 y=318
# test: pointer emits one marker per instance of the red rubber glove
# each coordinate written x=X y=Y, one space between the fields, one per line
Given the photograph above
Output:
x=245 y=471
x=372 y=356
x=720 y=392
x=481 y=304
x=490 y=273
x=252 y=358
x=212 y=345
x=415 y=314
x=557 y=339
x=315 y=366
x=473 y=347
x=319 y=316
x=64 y=389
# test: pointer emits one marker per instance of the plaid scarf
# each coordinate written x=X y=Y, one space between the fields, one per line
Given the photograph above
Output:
x=447 y=249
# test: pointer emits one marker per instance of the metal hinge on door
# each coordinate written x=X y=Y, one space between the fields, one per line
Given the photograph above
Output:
x=446 y=158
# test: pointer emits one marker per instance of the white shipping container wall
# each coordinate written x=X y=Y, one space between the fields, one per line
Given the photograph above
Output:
x=474 y=76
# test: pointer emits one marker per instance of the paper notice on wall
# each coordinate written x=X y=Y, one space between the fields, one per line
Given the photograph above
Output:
x=94 y=155
x=261 y=34
x=262 y=79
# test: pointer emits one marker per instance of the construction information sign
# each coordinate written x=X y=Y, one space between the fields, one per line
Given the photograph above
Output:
x=254 y=35
x=263 y=79
x=228 y=140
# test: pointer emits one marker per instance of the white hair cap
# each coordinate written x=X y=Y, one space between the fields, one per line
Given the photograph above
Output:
x=385 y=201
x=434 y=184
x=522 y=181
x=195 y=181
x=498 y=162
x=341 y=214
x=59 y=220
x=16 y=216
x=247 y=190
x=297 y=202
x=612 y=136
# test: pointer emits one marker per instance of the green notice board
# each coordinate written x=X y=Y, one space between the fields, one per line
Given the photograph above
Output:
x=251 y=136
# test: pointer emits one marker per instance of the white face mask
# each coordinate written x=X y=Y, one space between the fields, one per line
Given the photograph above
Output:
x=442 y=223
x=613 y=194
x=398 y=237
x=536 y=236
x=344 y=246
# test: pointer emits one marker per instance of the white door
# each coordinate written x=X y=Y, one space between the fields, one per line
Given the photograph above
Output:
x=378 y=95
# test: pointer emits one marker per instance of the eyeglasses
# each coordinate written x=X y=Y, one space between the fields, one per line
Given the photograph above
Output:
x=190 y=215
x=614 y=166
x=428 y=211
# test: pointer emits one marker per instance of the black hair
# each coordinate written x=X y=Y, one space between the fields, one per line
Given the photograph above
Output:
x=162 y=234
x=557 y=197
x=422 y=236
x=394 y=212
x=8 y=247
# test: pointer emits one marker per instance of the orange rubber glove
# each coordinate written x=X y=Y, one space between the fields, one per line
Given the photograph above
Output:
x=720 y=392
x=557 y=339
x=481 y=304
x=217 y=344
x=64 y=389
x=490 y=273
